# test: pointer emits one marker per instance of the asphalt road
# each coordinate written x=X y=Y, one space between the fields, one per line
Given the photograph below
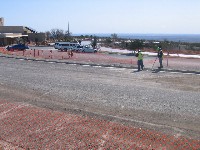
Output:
x=167 y=102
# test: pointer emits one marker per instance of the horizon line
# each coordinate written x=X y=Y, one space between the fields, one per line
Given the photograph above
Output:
x=141 y=33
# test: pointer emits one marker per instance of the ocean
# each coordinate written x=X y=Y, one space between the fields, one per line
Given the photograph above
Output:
x=190 y=38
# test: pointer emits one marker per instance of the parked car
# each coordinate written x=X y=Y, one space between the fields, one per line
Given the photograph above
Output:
x=88 y=49
x=77 y=48
x=17 y=47
x=51 y=44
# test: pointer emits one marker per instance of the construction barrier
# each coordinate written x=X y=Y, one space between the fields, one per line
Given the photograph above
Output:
x=178 y=63
x=86 y=57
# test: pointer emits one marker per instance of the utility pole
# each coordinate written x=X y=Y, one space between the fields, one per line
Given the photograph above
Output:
x=68 y=29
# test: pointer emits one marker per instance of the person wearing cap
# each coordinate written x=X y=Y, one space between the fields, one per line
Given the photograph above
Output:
x=160 y=57
x=140 y=60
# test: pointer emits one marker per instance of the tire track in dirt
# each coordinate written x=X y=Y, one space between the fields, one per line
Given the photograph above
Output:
x=25 y=126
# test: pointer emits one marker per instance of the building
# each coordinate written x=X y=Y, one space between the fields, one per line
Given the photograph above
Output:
x=18 y=34
x=1 y=21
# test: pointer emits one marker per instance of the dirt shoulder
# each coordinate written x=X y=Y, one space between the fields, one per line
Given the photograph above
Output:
x=24 y=126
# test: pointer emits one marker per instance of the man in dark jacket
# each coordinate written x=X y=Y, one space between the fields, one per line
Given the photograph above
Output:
x=160 y=57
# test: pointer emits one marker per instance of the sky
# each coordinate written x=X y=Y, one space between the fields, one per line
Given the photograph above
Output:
x=104 y=16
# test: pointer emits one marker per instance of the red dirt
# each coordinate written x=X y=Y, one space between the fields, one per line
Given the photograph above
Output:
x=24 y=126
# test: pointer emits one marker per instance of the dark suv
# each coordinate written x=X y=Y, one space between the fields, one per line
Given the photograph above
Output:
x=17 y=47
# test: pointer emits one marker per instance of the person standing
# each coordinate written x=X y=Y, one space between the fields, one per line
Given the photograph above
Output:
x=140 y=60
x=160 y=57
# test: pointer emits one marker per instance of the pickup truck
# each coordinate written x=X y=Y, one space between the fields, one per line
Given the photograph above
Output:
x=88 y=49
x=77 y=48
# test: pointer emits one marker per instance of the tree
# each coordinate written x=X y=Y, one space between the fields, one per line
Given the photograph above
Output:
x=114 y=36
x=57 y=34
x=137 y=44
x=108 y=41
x=67 y=36
x=48 y=35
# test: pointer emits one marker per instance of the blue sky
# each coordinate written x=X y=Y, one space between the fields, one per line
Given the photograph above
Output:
x=105 y=16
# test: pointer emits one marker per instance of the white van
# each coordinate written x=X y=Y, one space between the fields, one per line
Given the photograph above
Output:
x=67 y=45
x=57 y=44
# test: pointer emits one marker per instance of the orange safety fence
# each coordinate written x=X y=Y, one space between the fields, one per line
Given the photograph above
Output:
x=4 y=51
x=177 y=63
x=86 y=57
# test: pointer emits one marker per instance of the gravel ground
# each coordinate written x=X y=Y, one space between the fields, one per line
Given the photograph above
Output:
x=165 y=102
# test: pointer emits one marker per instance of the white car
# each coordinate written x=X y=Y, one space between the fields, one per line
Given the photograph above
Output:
x=88 y=49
